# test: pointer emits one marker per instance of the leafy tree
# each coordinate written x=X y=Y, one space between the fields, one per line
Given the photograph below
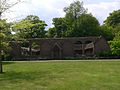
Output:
x=113 y=19
x=116 y=32
x=107 y=32
x=113 y=22
x=115 y=47
x=76 y=22
x=30 y=27
x=60 y=26
x=85 y=25
x=4 y=46
x=4 y=6
x=51 y=32
x=79 y=23
x=75 y=10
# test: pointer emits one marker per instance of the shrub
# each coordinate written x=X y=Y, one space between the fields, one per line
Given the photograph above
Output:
x=115 y=47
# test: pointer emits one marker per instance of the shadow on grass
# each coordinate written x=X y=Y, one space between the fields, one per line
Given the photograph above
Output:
x=5 y=63
x=16 y=77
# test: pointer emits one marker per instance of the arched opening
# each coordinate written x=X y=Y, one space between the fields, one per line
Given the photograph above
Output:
x=89 y=51
x=56 y=52
x=78 y=49
x=77 y=53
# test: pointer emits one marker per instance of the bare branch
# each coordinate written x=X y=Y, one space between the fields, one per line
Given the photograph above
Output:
x=5 y=5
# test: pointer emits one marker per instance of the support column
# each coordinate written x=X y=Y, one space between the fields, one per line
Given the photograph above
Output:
x=93 y=49
x=30 y=48
x=83 y=50
x=1 y=59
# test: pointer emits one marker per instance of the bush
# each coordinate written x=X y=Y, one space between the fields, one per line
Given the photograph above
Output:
x=115 y=47
x=106 y=54
x=114 y=52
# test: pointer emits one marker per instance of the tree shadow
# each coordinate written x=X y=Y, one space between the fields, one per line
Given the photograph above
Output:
x=5 y=63
x=14 y=77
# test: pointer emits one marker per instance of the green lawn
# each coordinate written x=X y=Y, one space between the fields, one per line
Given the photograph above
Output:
x=61 y=75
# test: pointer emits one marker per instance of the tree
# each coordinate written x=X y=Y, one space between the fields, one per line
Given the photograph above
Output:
x=107 y=32
x=30 y=27
x=4 y=6
x=116 y=32
x=115 y=47
x=113 y=19
x=4 y=34
x=75 y=10
x=51 y=32
x=79 y=23
x=113 y=22
x=76 y=22
x=85 y=25
x=117 y=36
x=60 y=26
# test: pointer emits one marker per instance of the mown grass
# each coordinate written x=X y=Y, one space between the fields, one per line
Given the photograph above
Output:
x=67 y=75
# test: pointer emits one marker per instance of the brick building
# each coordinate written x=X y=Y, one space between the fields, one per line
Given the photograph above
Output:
x=59 y=48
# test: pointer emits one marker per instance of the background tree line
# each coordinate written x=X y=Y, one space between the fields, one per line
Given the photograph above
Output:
x=77 y=22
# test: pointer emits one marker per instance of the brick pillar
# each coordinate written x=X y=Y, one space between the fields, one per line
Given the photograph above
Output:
x=30 y=48
x=93 y=49
x=83 y=50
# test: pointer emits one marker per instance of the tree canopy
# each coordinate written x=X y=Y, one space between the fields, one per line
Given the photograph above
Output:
x=74 y=10
x=30 y=27
x=76 y=23
x=85 y=25
x=60 y=26
x=113 y=19
x=4 y=34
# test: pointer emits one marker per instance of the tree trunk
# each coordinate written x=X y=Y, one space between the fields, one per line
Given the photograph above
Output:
x=1 y=68
x=1 y=56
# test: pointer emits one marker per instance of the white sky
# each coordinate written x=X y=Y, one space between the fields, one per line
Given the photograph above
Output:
x=48 y=9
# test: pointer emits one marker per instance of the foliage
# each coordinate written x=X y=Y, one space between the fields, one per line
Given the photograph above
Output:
x=113 y=19
x=30 y=27
x=75 y=10
x=4 y=6
x=114 y=50
x=115 y=47
x=107 y=54
x=60 y=26
x=51 y=32
x=107 y=32
x=72 y=13
x=117 y=36
x=85 y=25
x=116 y=32
x=4 y=27
x=76 y=22
x=5 y=35
x=113 y=24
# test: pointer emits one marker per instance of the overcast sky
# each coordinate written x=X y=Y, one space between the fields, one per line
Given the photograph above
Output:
x=48 y=9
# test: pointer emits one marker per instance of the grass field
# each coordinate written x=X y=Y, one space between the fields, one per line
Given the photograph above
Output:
x=61 y=75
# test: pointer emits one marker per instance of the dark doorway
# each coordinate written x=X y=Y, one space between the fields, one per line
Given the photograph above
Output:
x=77 y=53
x=56 y=52
x=89 y=51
